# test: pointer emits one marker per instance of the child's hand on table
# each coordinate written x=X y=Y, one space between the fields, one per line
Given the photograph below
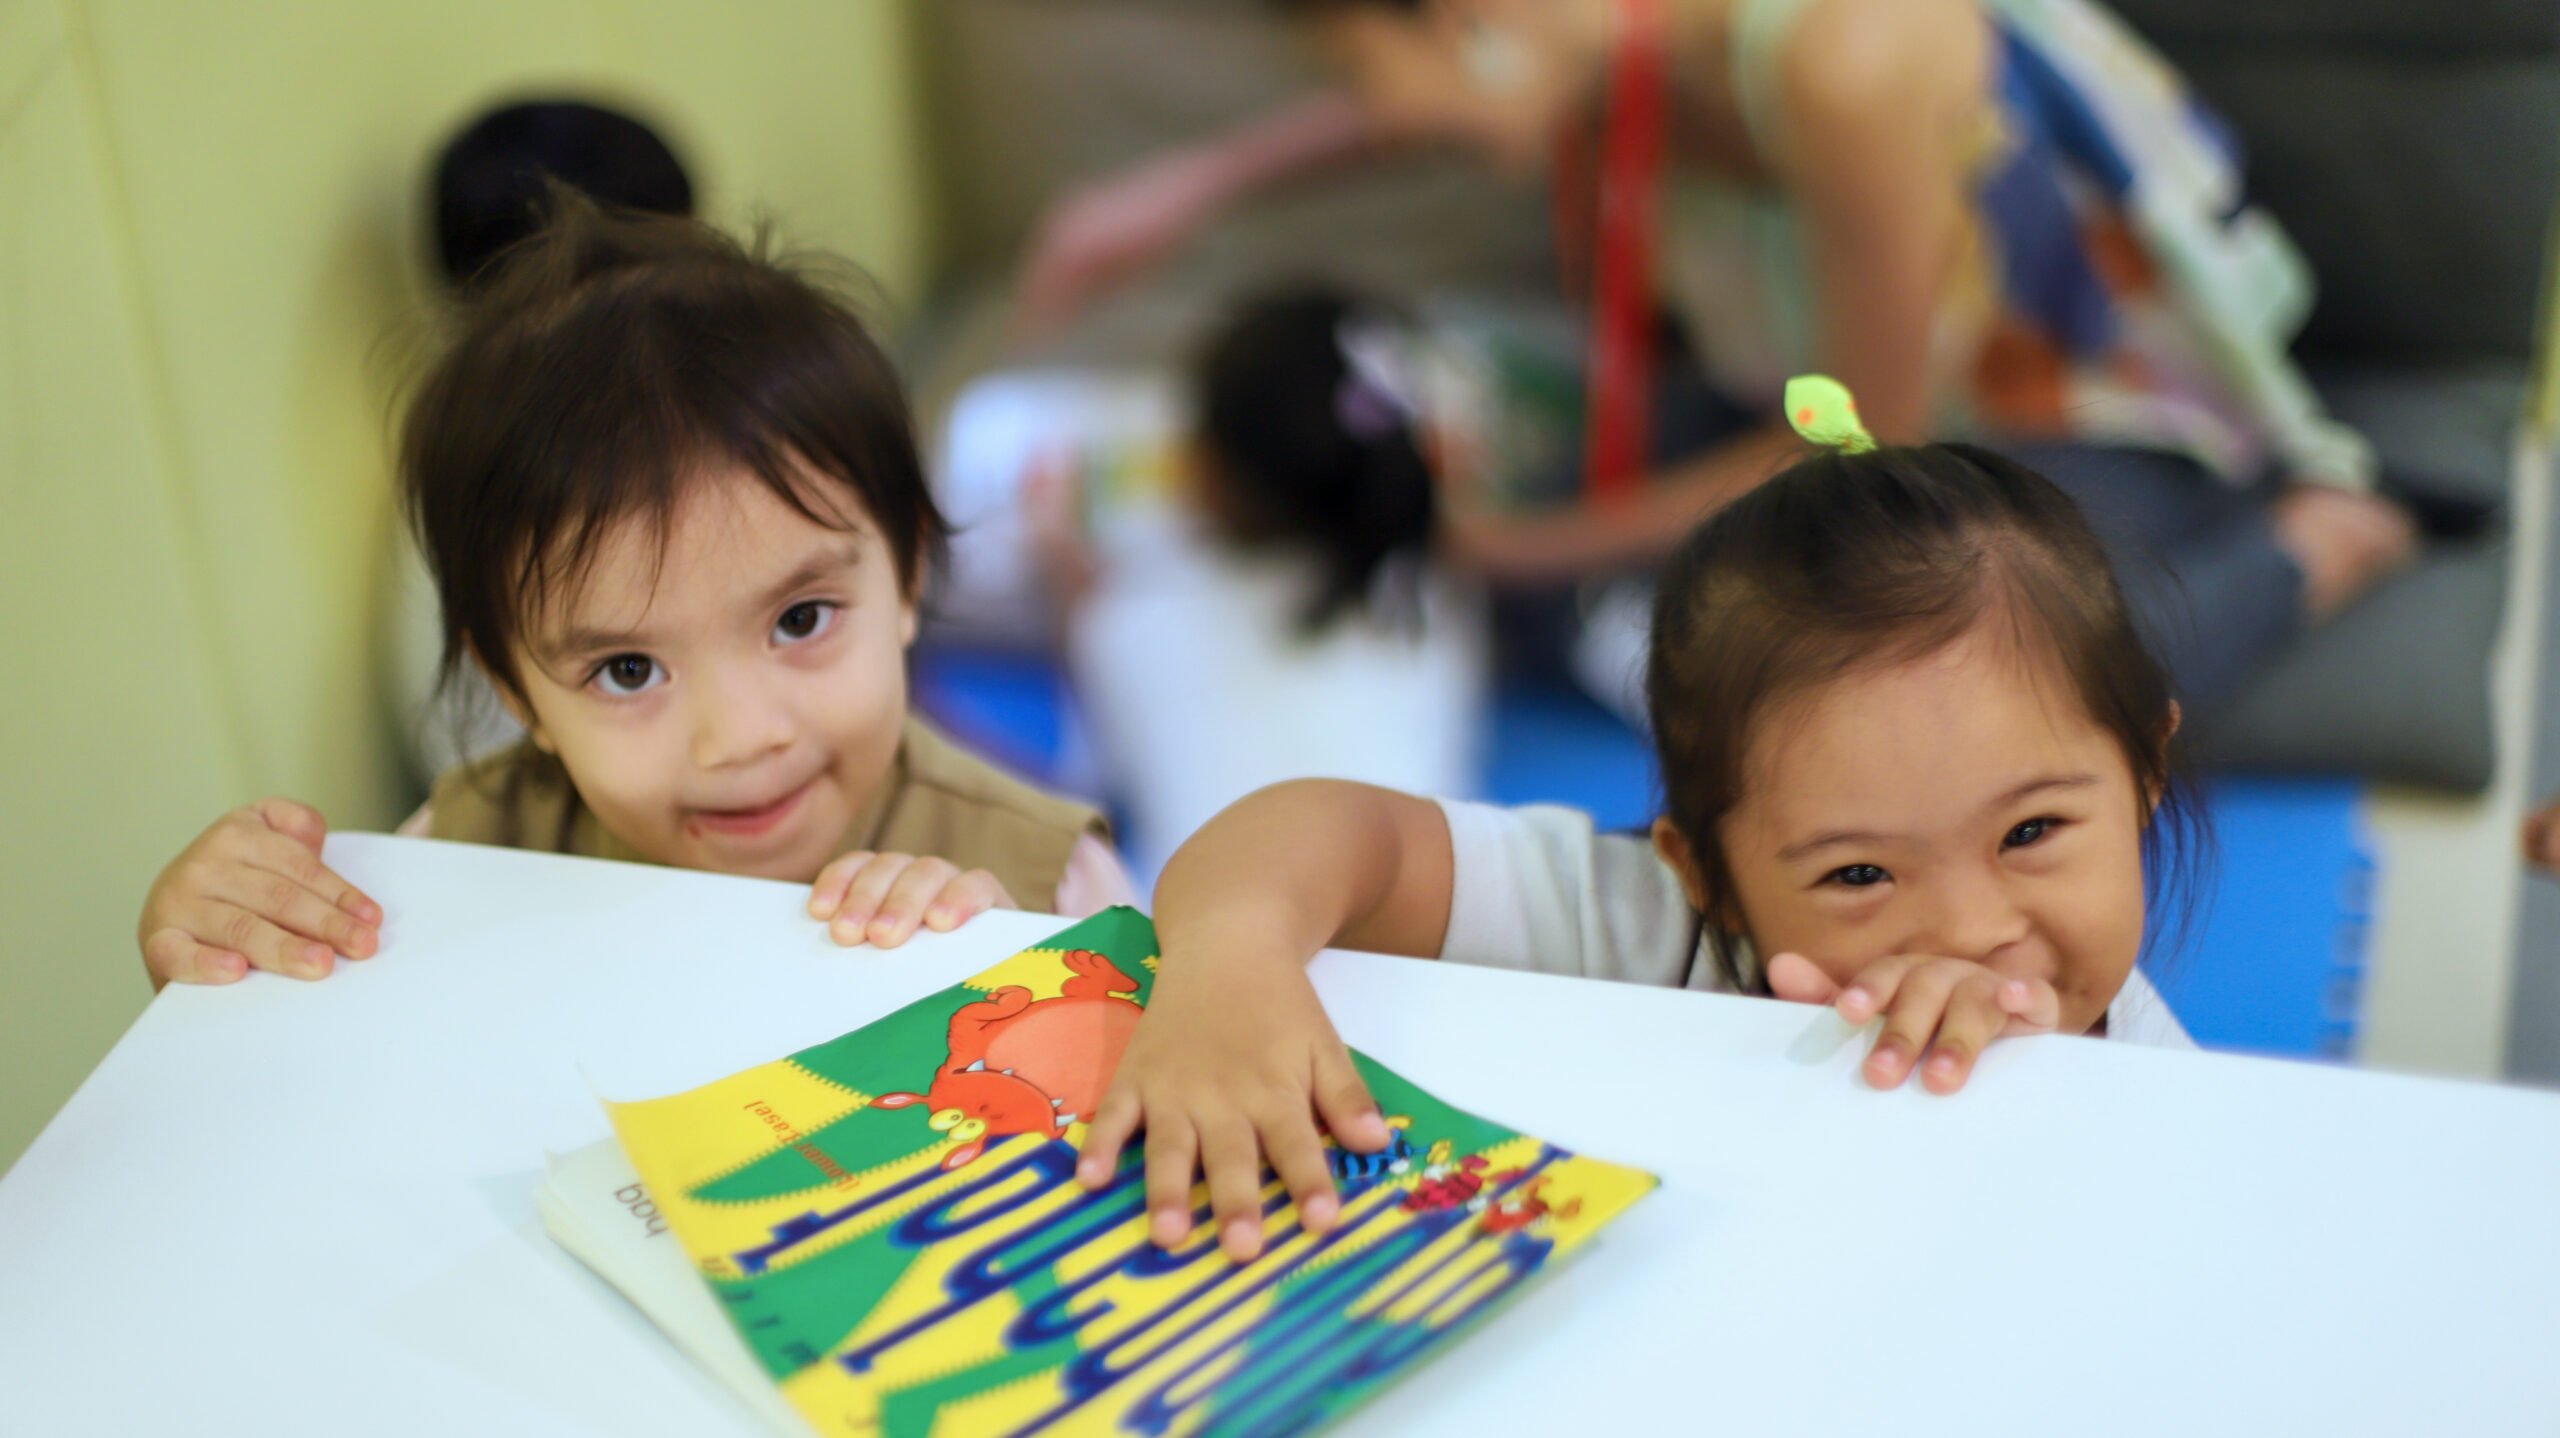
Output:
x=880 y=899
x=1950 y=1009
x=251 y=892
x=1234 y=1059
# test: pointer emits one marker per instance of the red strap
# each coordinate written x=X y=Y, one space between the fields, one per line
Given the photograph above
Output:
x=1619 y=388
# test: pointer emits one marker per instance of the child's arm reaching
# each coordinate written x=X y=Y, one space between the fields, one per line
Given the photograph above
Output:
x=251 y=893
x=1235 y=1057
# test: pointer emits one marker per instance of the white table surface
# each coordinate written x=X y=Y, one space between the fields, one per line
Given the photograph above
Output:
x=282 y=1208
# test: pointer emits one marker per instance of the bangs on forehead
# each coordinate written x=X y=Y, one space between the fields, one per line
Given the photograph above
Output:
x=2010 y=616
x=550 y=581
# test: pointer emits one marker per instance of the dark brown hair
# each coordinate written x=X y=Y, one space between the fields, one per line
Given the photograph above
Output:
x=1847 y=561
x=597 y=371
x=1308 y=453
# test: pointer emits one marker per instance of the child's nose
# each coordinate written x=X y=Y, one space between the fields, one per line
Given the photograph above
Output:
x=736 y=723
x=1975 y=917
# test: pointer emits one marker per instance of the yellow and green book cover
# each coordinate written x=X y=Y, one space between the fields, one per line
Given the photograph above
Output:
x=891 y=1221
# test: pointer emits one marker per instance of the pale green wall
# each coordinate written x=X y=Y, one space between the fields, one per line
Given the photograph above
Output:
x=210 y=263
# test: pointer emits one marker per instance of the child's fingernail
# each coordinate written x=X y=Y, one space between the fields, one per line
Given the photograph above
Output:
x=939 y=917
x=1090 y=1171
x=1168 y=1227
x=1319 y=1212
x=1373 y=1126
x=1243 y=1237
x=1943 y=1066
x=2016 y=989
x=1856 y=999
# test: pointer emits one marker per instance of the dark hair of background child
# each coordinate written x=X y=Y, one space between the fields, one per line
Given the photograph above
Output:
x=597 y=371
x=492 y=182
x=1288 y=470
x=1849 y=560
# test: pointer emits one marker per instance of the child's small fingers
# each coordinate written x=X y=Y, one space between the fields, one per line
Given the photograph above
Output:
x=1171 y=1158
x=826 y=893
x=1231 y=1161
x=295 y=820
x=1106 y=1132
x=2033 y=1006
x=262 y=943
x=284 y=902
x=1919 y=1002
x=965 y=898
x=1974 y=1017
x=1798 y=980
x=862 y=896
x=902 y=909
x=1298 y=1156
x=174 y=957
x=1875 y=987
x=283 y=855
x=1345 y=1104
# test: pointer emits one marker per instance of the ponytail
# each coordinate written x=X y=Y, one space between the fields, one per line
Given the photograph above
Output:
x=1316 y=444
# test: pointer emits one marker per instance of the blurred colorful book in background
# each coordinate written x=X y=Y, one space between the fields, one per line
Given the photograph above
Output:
x=892 y=1224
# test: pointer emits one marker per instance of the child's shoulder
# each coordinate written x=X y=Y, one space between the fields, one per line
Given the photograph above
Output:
x=517 y=797
x=934 y=761
x=945 y=799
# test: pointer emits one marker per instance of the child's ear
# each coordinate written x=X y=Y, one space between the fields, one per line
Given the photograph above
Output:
x=911 y=601
x=517 y=707
x=2168 y=735
x=1673 y=847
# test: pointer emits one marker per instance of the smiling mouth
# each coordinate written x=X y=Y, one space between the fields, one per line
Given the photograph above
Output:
x=746 y=823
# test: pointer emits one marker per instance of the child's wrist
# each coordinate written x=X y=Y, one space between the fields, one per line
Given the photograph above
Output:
x=1246 y=937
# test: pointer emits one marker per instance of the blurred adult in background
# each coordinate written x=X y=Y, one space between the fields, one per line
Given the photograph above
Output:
x=2002 y=220
x=489 y=189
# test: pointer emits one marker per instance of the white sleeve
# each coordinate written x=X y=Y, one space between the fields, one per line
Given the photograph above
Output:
x=2140 y=1015
x=1538 y=889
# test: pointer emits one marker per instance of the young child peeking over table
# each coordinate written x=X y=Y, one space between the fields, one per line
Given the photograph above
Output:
x=1917 y=761
x=670 y=494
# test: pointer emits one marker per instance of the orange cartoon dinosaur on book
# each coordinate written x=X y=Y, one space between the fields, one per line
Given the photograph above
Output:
x=1023 y=1066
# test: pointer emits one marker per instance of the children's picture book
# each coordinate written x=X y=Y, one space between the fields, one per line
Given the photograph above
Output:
x=891 y=1226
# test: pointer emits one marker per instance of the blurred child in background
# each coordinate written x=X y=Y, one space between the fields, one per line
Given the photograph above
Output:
x=1249 y=561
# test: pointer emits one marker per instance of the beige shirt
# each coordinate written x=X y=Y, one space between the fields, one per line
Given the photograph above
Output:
x=939 y=799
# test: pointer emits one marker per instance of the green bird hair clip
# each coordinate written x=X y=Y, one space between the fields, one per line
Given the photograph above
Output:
x=1823 y=411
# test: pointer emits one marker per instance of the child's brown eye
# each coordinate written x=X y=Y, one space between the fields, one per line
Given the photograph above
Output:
x=627 y=673
x=802 y=620
x=1859 y=876
x=2027 y=833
